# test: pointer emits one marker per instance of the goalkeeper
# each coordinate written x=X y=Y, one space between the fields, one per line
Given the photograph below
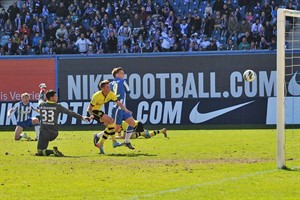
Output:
x=49 y=111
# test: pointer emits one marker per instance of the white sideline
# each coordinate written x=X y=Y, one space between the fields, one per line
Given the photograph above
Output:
x=203 y=184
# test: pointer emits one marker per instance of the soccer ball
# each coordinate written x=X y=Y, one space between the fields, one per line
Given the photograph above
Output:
x=249 y=75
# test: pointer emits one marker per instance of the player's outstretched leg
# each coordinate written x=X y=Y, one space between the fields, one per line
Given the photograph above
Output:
x=36 y=123
x=128 y=135
x=115 y=143
x=163 y=131
x=47 y=152
x=111 y=132
x=18 y=133
x=24 y=135
x=57 y=153
x=43 y=142
x=134 y=135
x=120 y=136
x=44 y=152
x=101 y=143
x=110 y=129
x=102 y=137
x=96 y=138
x=101 y=149
x=140 y=131
x=37 y=131
x=144 y=133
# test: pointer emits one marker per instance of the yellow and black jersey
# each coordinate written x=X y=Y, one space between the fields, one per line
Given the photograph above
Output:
x=98 y=99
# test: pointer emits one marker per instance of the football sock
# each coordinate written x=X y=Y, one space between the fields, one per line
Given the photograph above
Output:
x=109 y=131
x=119 y=133
x=104 y=137
x=37 y=131
x=142 y=133
x=44 y=152
x=153 y=133
x=113 y=138
x=110 y=128
x=135 y=135
x=128 y=134
x=99 y=135
x=23 y=135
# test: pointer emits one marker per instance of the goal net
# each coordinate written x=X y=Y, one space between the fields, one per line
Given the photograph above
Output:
x=288 y=77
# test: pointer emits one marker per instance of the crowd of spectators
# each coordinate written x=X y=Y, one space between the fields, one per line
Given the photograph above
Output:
x=45 y=27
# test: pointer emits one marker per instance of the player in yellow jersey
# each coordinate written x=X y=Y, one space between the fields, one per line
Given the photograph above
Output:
x=95 y=112
x=138 y=131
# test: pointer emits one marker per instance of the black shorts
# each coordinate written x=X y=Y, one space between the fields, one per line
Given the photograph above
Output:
x=97 y=115
x=45 y=138
x=139 y=127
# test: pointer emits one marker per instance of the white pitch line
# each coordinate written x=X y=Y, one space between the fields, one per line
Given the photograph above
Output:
x=202 y=184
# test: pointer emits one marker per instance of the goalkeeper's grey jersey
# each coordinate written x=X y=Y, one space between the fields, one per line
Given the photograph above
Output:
x=49 y=112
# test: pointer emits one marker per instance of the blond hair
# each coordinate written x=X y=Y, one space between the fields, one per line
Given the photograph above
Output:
x=116 y=70
x=103 y=83
x=24 y=95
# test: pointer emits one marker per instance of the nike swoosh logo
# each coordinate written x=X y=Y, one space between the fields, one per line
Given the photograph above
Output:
x=197 y=117
x=294 y=86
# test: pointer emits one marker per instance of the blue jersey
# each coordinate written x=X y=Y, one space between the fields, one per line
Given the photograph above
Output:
x=120 y=88
x=23 y=111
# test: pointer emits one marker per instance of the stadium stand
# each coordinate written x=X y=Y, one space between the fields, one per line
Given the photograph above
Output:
x=160 y=27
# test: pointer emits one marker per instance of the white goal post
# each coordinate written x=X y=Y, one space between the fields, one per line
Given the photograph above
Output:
x=280 y=115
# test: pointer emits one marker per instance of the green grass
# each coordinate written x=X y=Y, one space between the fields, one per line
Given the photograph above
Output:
x=202 y=164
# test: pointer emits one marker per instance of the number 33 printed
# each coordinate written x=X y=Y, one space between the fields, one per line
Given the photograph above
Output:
x=48 y=116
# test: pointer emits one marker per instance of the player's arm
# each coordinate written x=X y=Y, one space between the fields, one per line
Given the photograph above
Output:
x=35 y=109
x=126 y=86
x=42 y=91
x=90 y=111
x=12 y=110
x=9 y=112
x=72 y=114
x=123 y=107
x=114 y=98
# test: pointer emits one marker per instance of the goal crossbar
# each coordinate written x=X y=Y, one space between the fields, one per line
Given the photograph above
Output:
x=289 y=13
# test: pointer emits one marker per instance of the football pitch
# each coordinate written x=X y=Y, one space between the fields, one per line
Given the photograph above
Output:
x=192 y=164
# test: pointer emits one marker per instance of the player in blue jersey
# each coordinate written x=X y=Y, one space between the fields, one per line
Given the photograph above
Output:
x=121 y=89
x=24 y=109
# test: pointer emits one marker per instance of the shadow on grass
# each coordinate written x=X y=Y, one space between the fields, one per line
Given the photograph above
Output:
x=130 y=154
x=71 y=157
x=52 y=156
x=292 y=169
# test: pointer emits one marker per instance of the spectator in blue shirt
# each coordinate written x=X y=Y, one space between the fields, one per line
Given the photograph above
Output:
x=36 y=39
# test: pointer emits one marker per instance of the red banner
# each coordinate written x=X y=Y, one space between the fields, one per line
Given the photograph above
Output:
x=25 y=75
